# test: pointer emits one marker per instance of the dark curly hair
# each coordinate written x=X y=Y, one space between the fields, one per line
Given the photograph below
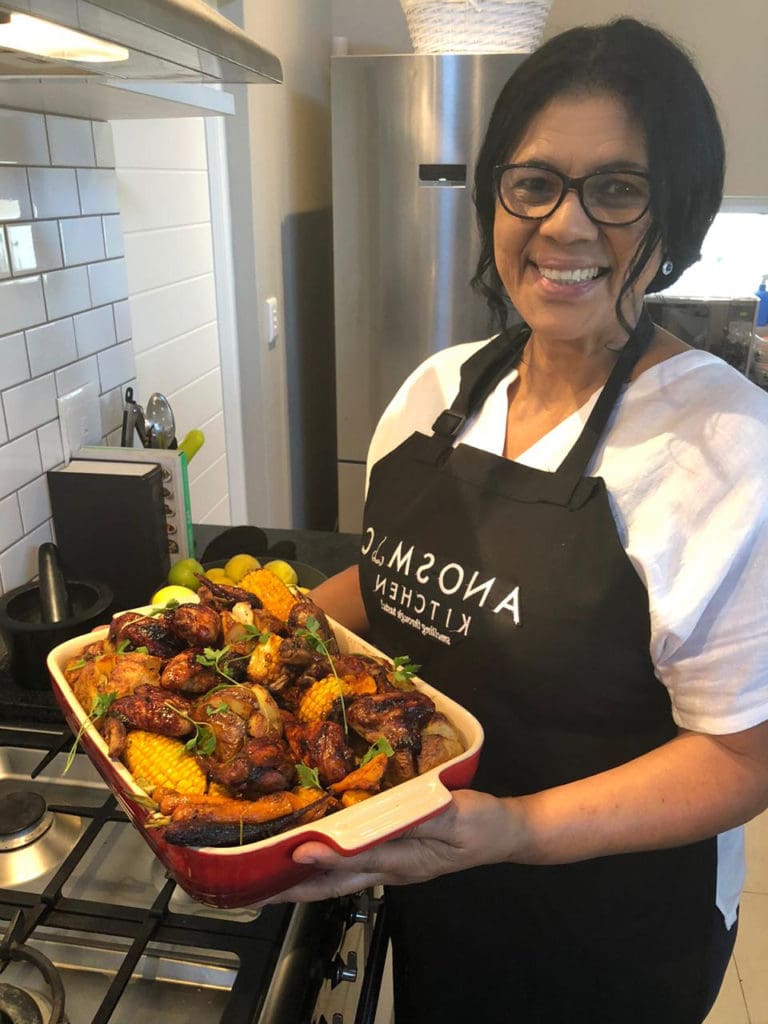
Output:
x=662 y=89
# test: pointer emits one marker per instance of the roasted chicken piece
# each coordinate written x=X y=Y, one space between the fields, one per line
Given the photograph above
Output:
x=269 y=662
x=184 y=674
x=115 y=673
x=149 y=709
x=198 y=625
x=399 y=716
x=243 y=621
x=234 y=713
x=321 y=745
x=261 y=766
x=305 y=609
x=150 y=631
x=221 y=595
x=440 y=741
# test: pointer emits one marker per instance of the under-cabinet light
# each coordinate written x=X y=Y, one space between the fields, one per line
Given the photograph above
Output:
x=46 y=39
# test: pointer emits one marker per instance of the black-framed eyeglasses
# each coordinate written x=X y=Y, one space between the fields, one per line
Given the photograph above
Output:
x=615 y=198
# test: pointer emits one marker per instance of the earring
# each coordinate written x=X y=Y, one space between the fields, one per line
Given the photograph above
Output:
x=667 y=267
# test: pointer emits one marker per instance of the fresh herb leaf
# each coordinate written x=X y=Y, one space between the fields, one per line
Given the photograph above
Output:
x=204 y=739
x=123 y=646
x=100 y=707
x=78 y=664
x=210 y=710
x=307 y=776
x=381 y=746
x=169 y=606
x=404 y=669
x=215 y=659
x=254 y=633
x=141 y=650
x=311 y=633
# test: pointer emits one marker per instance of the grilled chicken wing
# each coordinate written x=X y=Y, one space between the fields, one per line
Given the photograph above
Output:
x=262 y=766
x=321 y=745
x=399 y=716
x=196 y=624
x=184 y=674
x=115 y=673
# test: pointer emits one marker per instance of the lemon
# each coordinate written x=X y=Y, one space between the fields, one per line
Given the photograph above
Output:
x=218 y=575
x=182 y=573
x=174 y=593
x=239 y=565
x=283 y=571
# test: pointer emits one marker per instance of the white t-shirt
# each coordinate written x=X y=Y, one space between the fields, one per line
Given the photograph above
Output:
x=685 y=462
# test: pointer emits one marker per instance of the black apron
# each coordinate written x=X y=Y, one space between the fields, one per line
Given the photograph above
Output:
x=511 y=588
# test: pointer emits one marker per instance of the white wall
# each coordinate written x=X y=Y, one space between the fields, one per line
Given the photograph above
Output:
x=162 y=174
x=64 y=317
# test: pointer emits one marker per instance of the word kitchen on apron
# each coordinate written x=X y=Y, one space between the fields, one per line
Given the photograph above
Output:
x=510 y=587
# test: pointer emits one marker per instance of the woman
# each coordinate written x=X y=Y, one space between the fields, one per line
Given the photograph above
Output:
x=612 y=484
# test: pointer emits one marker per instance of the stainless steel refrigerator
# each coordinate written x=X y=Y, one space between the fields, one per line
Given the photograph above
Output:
x=406 y=133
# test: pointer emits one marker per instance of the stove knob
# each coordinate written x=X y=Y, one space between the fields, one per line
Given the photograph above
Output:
x=340 y=970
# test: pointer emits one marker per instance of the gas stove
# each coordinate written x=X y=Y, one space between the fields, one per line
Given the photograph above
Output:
x=92 y=931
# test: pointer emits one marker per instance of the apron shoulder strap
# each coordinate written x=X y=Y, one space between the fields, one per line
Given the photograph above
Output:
x=574 y=465
x=479 y=376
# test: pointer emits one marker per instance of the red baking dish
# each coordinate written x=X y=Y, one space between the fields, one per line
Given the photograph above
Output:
x=240 y=875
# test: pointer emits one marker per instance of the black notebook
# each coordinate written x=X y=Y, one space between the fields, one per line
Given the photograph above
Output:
x=110 y=526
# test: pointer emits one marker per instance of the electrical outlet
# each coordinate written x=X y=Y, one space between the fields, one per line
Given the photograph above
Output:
x=80 y=418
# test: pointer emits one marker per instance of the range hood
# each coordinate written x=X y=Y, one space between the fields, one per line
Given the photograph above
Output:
x=167 y=41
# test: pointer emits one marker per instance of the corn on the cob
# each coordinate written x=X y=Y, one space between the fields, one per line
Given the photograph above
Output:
x=156 y=760
x=317 y=702
x=271 y=591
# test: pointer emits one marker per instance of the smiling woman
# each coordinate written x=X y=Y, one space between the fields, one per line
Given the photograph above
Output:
x=612 y=482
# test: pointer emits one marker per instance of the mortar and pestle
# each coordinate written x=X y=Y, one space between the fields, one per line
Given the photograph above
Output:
x=36 y=617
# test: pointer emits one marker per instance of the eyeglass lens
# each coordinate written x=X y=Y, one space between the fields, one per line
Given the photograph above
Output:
x=615 y=197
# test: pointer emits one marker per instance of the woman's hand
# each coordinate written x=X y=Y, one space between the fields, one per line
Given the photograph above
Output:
x=474 y=829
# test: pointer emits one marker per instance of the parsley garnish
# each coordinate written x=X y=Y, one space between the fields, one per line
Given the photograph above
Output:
x=212 y=658
x=307 y=776
x=312 y=635
x=169 y=606
x=381 y=746
x=254 y=633
x=204 y=739
x=403 y=669
x=101 y=706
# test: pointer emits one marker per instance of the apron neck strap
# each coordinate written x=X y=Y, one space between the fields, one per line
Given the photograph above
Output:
x=574 y=465
x=479 y=376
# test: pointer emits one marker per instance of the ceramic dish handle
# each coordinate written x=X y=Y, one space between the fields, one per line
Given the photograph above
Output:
x=397 y=809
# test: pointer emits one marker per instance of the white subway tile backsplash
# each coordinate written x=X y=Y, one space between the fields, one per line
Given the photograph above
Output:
x=14 y=367
x=156 y=144
x=166 y=313
x=123 y=319
x=102 y=140
x=76 y=375
x=109 y=282
x=34 y=247
x=10 y=522
x=18 y=564
x=81 y=239
x=155 y=258
x=54 y=192
x=14 y=194
x=51 y=346
x=21 y=304
x=51 y=451
x=94 y=330
x=206 y=492
x=35 y=504
x=30 y=405
x=178 y=197
x=22 y=138
x=3 y=431
x=116 y=366
x=5 y=266
x=70 y=141
x=182 y=360
x=66 y=291
x=98 y=190
x=19 y=463
x=113 y=236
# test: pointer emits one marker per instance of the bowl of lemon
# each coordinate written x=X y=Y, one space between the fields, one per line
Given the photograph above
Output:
x=183 y=578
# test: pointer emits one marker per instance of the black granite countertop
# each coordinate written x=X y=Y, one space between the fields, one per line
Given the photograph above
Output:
x=326 y=551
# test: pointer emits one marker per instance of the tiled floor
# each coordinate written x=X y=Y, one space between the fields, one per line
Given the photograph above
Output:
x=744 y=996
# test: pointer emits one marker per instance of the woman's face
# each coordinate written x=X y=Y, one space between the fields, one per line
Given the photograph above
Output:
x=537 y=260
